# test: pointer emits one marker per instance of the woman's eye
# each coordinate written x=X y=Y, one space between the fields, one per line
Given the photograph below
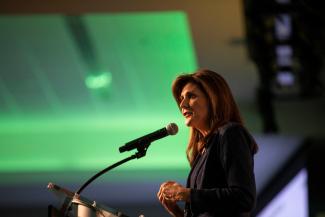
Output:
x=191 y=96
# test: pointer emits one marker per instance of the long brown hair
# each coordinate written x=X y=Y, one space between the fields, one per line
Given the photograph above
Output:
x=222 y=106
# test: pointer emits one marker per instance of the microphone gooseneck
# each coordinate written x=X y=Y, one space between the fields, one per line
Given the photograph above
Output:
x=141 y=144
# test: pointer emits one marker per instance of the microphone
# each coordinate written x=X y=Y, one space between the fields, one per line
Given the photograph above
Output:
x=170 y=129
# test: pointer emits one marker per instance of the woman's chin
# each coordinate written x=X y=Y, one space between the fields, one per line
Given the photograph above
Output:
x=188 y=122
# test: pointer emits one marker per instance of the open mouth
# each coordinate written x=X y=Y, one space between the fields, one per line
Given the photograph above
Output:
x=187 y=114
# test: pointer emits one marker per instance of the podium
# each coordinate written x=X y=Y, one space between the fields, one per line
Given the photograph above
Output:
x=74 y=205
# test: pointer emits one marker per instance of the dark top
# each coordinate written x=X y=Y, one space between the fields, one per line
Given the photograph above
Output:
x=222 y=179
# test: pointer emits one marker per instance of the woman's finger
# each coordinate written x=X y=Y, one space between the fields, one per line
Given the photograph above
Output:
x=167 y=183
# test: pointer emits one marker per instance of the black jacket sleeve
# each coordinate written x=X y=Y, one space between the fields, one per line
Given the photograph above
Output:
x=239 y=194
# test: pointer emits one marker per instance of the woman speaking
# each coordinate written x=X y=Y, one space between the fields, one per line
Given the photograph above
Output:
x=220 y=151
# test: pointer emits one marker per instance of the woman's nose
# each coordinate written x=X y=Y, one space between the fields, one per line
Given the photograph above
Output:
x=184 y=103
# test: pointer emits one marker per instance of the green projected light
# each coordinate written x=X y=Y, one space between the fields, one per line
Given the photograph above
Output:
x=58 y=124
x=100 y=81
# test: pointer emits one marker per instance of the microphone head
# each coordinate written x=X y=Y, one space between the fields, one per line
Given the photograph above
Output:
x=172 y=129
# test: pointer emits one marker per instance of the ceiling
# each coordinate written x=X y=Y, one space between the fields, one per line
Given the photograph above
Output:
x=49 y=48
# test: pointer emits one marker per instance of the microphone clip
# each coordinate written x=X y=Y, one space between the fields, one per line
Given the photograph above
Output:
x=142 y=151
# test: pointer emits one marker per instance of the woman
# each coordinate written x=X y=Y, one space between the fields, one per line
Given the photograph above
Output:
x=220 y=151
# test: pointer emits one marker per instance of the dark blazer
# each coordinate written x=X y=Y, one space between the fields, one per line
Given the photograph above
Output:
x=222 y=179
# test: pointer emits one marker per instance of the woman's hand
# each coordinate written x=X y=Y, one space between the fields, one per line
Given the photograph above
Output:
x=169 y=193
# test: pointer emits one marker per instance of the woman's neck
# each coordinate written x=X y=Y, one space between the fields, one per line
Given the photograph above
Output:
x=204 y=132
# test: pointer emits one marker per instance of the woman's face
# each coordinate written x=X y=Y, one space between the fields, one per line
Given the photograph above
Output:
x=195 y=107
